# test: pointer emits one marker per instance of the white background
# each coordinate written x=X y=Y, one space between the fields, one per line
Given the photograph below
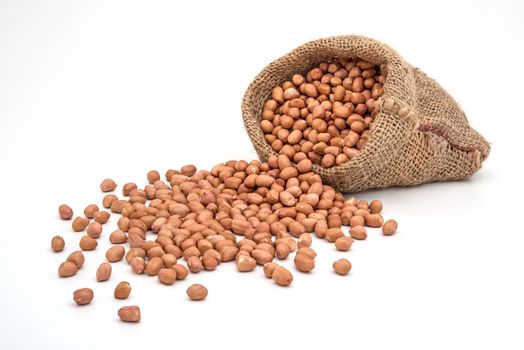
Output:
x=96 y=89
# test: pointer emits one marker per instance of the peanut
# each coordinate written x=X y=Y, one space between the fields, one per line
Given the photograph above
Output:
x=129 y=313
x=358 y=232
x=83 y=296
x=196 y=292
x=246 y=263
x=138 y=265
x=181 y=271
x=76 y=258
x=67 y=269
x=90 y=211
x=115 y=253
x=87 y=243
x=167 y=276
x=275 y=206
x=282 y=276
x=103 y=272
x=390 y=227
x=79 y=224
x=101 y=216
x=65 y=212
x=374 y=220
x=304 y=263
x=107 y=185
x=343 y=243
x=269 y=268
x=122 y=290
x=57 y=243
x=342 y=266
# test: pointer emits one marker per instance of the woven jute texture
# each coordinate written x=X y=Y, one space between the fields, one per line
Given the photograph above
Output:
x=419 y=135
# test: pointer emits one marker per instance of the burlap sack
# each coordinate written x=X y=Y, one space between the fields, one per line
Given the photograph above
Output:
x=419 y=135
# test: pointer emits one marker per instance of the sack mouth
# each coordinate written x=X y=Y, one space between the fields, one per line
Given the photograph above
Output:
x=300 y=61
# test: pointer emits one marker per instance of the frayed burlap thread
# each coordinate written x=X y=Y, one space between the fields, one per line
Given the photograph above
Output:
x=420 y=134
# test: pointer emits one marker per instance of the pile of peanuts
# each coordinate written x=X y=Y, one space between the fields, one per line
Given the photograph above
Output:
x=251 y=213
x=325 y=116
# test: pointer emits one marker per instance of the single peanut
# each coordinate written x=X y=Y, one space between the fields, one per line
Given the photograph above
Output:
x=90 y=210
x=122 y=290
x=167 y=276
x=269 y=268
x=374 y=220
x=94 y=229
x=87 y=243
x=196 y=292
x=65 y=212
x=57 y=243
x=181 y=271
x=246 y=263
x=358 y=232
x=390 y=227
x=101 y=216
x=107 y=185
x=138 y=265
x=103 y=272
x=342 y=266
x=76 y=258
x=304 y=263
x=375 y=207
x=282 y=276
x=83 y=296
x=129 y=313
x=343 y=243
x=67 y=269
x=115 y=253
x=79 y=224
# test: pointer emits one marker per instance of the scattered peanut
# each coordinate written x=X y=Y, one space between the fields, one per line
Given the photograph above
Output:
x=129 y=313
x=103 y=272
x=108 y=185
x=76 y=258
x=122 y=290
x=57 y=243
x=90 y=211
x=87 y=243
x=167 y=276
x=304 y=263
x=358 y=232
x=342 y=266
x=67 y=269
x=390 y=227
x=196 y=292
x=282 y=276
x=115 y=253
x=343 y=243
x=83 y=296
x=79 y=224
x=65 y=212
x=252 y=213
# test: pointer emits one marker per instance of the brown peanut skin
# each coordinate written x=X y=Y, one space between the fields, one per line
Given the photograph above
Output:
x=122 y=290
x=342 y=267
x=390 y=227
x=67 y=269
x=65 y=212
x=57 y=244
x=107 y=185
x=130 y=313
x=282 y=276
x=197 y=292
x=103 y=273
x=83 y=296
